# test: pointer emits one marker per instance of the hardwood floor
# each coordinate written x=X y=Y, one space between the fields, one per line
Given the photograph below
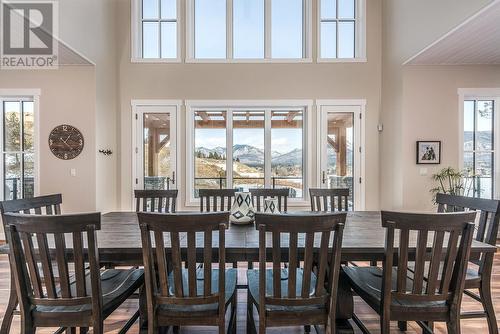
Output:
x=116 y=320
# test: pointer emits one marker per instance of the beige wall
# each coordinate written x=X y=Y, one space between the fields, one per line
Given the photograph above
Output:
x=67 y=96
x=431 y=112
x=253 y=81
x=89 y=26
x=408 y=27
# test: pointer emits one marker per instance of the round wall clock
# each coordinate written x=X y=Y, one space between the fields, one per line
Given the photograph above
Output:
x=66 y=142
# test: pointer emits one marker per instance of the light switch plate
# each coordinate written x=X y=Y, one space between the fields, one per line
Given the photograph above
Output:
x=423 y=171
x=72 y=172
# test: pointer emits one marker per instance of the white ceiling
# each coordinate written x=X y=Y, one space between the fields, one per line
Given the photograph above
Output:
x=475 y=41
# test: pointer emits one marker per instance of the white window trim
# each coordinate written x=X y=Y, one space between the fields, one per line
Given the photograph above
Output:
x=359 y=159
x=465 y=94
x=359 y=32
x=190 y=57
x=35 y=95
x=136 y=35
x=136 y=104
x=193 y=105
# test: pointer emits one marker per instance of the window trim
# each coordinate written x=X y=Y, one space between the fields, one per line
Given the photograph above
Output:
x=359 y=36
x=193 y=105
x=359 y=159
x=136 y=35
x=31 y=94
x=307 y=36
x=465 y=94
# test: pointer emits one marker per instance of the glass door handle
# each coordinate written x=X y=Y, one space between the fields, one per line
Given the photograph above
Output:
x=324 y=177
x=173 y=178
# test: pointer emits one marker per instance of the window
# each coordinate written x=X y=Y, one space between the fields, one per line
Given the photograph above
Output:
x=18 y=148
x=245 y=147
x=248 y=30
x=341 y=29
x=479 y=147
x=156 y=30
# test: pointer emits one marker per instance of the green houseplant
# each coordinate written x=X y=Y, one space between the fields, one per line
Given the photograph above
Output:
x=451 y=181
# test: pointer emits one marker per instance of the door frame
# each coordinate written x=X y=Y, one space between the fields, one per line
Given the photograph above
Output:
x=358 y=108
x=154 y=106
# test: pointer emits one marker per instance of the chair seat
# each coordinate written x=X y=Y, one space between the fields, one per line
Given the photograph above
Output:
x=116 y=286
x=196 y=310
x=367 y=282
x=253 y=289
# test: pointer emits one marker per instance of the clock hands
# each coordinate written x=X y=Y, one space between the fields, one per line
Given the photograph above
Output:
x=65 y=141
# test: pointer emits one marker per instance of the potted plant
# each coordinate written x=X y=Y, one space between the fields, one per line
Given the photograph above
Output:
x=453 y=182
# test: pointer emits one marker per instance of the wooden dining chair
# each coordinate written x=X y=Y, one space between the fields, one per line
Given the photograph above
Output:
x=480 y=270
x=82 y=297
x=425 y=293
x=216 y=200
x=191 y=296
x=156 y=200
x=296 y=295
x=50 y=205
x=329 y=199
x=258 y=196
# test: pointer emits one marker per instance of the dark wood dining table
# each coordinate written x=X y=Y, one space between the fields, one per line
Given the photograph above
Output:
x=120 y=244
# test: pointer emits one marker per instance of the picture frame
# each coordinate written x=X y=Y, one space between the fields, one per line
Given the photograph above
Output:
x=428 y=152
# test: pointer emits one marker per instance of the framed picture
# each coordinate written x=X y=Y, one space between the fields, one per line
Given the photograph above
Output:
x=428 y=152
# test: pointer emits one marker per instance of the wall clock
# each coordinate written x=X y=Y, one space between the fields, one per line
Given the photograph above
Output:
x=66 y=142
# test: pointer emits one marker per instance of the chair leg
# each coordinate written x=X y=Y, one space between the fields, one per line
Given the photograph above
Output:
x=485 y=293
x=176 y=329
x=98 y=327
x=71 y=330
x=11 y=307
x=232 y=321
x=27 y=325
x=385 y=324
x=403 y=326
x=250 y=318
x=307 y=329
x=453 y=326
x=84 y=330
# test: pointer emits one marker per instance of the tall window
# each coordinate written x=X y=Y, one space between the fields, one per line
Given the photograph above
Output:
x=245 y=148
x=18 y=153
x=340 y=29
x=157 y=29
x=256 y=30
x=479 y=147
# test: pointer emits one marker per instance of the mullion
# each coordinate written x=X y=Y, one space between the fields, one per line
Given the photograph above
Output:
x=21 y=134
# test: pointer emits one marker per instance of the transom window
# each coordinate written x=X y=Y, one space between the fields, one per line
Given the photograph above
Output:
x=18 y=148
x=248 y=29
x=340 y=29
x=246 y=148
x=157 y=29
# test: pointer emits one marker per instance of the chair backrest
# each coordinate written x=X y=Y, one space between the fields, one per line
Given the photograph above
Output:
x=286 y=230
x=32 y=239
x=216 y=200
x=157 y=265
x=49 y=205
x=156 y=200
x=258 y=196
x=487 y=226
x=442 y=243
x=329 y=199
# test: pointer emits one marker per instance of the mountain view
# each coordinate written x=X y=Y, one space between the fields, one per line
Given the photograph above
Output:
x=248 y=167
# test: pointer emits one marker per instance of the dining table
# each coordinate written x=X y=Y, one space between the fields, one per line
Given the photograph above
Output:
x=119 y=242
